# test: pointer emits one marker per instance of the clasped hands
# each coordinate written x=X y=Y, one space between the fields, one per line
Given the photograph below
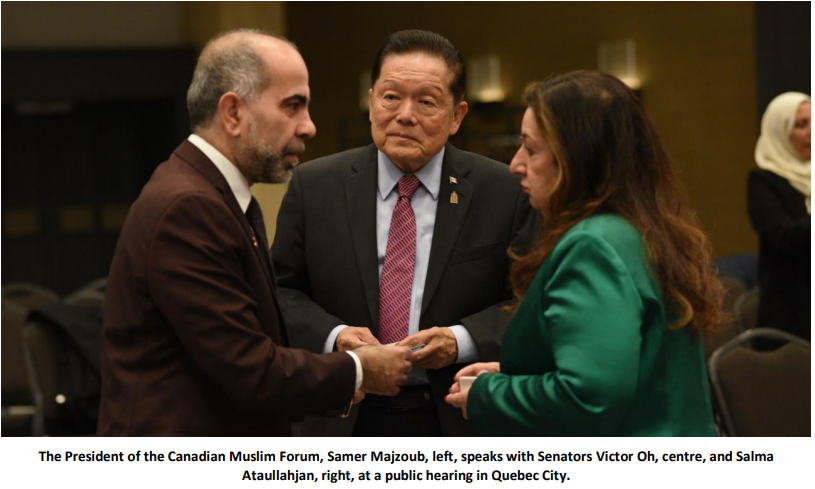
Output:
x=385 y=367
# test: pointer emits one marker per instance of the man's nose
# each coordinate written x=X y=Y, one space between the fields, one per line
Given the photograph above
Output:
x=406 y=113
x=306 y=129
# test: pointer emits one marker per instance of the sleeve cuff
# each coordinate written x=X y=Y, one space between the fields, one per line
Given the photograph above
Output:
x=328 y=346
x=467 y=352
x=358 y=363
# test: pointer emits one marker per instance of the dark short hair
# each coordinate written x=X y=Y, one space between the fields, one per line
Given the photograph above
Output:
x=237 y=68
x=413 y=41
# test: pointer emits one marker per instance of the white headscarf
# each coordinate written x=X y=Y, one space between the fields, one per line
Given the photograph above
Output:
x=774 y=151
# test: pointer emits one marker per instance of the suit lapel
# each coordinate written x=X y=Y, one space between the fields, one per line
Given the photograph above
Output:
x=360 y=195
x=449 y=218
x=192 y=155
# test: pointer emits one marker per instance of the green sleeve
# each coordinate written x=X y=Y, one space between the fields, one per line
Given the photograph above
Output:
x=592 y=313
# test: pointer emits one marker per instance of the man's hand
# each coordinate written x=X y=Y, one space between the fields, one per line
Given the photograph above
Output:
x=353 y=337
x=440 y=350
x=384 y=368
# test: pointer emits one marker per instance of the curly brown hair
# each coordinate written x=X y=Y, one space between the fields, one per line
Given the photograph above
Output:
x=610 y=159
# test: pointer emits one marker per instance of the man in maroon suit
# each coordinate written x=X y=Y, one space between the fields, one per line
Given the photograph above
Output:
x=194 y=343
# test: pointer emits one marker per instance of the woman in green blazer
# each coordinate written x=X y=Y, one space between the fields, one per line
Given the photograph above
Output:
x=616 y=294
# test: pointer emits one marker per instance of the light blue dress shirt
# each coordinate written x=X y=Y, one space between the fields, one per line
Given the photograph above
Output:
x=424 y=203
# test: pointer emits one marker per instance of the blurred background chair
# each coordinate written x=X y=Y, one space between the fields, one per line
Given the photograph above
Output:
x=99 y=285
x=741 y=266
x=746 y=310
x=27 y=295
x=763 y=393
x=88 y=297
x=18 y=405
x=62 y=350
x=733 y=289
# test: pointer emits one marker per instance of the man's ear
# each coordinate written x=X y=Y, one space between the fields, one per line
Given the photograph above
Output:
x=370 y=104
x=458 y=116
x=231 y=113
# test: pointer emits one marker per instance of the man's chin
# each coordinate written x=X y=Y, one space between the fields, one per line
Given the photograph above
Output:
x=282 y=175
x=408 y=160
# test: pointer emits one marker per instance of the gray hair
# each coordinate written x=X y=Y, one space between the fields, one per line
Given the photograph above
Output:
x=236 y=67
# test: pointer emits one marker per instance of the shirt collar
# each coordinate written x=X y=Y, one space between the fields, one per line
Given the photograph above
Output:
x=237 y=182
x=389 y=174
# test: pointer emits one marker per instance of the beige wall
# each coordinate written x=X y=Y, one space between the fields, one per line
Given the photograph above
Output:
x=697 y=61
x=91 y=24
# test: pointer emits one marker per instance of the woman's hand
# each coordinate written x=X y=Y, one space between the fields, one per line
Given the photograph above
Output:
x=458 y=396
x=477 y=369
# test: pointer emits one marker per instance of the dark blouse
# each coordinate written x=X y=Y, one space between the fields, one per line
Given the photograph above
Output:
x=779 y=216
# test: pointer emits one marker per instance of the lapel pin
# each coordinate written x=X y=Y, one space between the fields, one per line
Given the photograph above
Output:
x=453 y=180
x=255 y=241
x=454 y=197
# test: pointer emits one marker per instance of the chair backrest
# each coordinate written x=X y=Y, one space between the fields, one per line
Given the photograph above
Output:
x=763 y=393
x=733 y=289
x=87 y=297
x=15 y=388
x=63 y=389
x=747 y=310
x=18 y=403
x=28 y=296
x=99 y=285
x=742 y=266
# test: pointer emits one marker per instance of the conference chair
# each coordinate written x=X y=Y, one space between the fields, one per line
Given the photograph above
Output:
x=99 y=285
x=763 y=393
x=747 y=309
x=88 y=297
x=733 y=289
x=17 y=406
x=27 y=295
x=63 y=369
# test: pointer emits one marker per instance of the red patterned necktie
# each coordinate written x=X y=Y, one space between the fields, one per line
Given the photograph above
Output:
x=397 y=274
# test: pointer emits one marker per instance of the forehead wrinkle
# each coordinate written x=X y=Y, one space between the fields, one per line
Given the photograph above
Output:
x=425 y=85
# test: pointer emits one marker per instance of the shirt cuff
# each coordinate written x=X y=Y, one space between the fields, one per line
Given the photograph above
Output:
x=467 y=352
x=328 y=346
x=358 y=382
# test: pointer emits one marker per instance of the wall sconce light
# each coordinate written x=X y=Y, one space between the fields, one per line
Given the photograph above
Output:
x=619 y=58
x=364 y=86
x=484 y=79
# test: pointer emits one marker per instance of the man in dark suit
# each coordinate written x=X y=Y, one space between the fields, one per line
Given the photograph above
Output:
x=193 y=340
x=403 y=241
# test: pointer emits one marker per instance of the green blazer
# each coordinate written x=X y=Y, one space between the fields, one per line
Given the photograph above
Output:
x=589 y=352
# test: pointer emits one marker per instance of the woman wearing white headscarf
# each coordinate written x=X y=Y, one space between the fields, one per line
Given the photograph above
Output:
x=778 y=196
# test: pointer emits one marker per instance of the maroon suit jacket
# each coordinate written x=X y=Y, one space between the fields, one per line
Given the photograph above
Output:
x=192 y=335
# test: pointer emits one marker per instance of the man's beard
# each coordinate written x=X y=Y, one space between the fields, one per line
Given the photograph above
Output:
x=268 y=164
x=261 y=163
